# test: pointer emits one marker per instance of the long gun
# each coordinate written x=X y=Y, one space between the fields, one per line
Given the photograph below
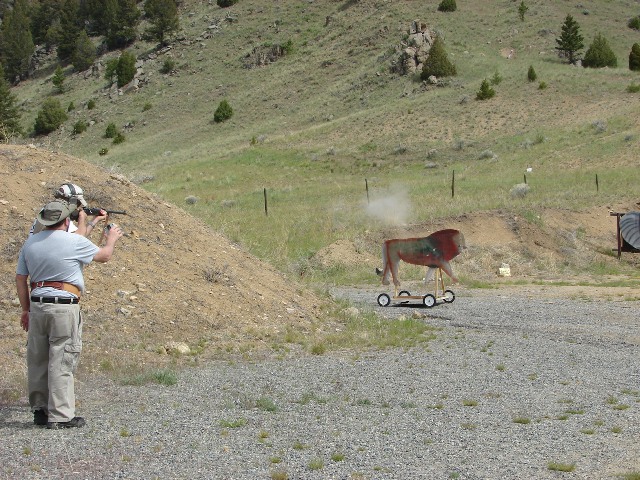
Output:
x=96 y=211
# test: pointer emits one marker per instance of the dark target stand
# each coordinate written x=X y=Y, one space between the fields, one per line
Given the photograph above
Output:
x=623 y=245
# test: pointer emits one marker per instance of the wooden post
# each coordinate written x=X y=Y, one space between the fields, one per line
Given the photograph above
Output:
x=453 y=184
x=525 y=178
x=266 y=210
x=366 y=186
x=597 y=184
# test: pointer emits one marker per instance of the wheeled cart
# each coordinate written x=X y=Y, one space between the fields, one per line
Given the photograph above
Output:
x=429 y=300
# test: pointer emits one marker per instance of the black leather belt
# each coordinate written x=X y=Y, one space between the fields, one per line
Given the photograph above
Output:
x=63 y=300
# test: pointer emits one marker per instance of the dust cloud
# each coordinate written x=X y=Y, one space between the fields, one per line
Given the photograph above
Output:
x=392 y=207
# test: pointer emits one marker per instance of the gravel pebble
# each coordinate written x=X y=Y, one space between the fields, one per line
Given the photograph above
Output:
x=511 y=383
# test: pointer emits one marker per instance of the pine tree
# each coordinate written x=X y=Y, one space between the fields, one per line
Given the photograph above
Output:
x=485 y=92
x=69 y=30
x=50 y=117
x=45 y=15
x=163 y=17
x=16 y=43
x=126 y=68
x=84 y=54
x=599 y=54
x=522 y=10
x=9 y=114
x=58 y=79
x=570 y=41
x=122 y=22
x=531 y=74
x=634 y=57
x=437 y=64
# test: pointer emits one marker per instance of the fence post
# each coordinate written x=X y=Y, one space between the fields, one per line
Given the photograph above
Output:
x=597 y=184
x=366 y=186
x=266 y=210
x=453 y=183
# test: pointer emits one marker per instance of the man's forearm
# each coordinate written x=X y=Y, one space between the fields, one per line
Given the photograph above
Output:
x=22 y=287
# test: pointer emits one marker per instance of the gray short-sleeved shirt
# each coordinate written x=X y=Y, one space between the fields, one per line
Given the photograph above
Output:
x=55 y=255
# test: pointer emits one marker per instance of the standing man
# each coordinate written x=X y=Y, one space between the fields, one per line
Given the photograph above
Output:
x=52 y=260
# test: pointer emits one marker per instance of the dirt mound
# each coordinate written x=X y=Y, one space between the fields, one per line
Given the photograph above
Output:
x=172 y=279
x=344 y=252
x=552 y=245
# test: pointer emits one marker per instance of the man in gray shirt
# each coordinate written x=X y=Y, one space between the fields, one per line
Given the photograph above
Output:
x=52 y=260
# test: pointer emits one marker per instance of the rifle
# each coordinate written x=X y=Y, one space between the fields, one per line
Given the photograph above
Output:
x=96 y=211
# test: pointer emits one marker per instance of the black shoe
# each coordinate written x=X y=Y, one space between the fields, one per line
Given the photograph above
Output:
x=74 y=422
x=40 y=418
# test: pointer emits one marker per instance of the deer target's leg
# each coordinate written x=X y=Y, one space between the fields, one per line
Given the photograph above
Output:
x=447 y=269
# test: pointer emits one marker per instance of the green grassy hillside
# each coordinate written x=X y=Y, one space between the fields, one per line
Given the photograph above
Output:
x=317 y=124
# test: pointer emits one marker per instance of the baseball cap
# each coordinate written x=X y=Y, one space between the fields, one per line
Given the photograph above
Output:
x=54 y=212
x=72 y=193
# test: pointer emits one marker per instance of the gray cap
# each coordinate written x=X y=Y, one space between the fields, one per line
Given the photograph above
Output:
x=54 y=212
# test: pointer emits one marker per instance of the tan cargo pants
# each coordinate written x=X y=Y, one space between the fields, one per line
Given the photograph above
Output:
x=53 y=350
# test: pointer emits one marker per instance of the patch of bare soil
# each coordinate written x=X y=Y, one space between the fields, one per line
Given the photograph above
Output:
x=172 y=279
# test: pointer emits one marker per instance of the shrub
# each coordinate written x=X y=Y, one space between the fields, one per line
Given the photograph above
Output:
x=485 y=92
x=119 y=138
x=9 y=112
x=531 y=74
x=447 y=6
x=634 y=23
x=542 y=86
x=496 y=79
x=58 y=79
x=126 y=68
x=110 y=69
x=634 y=57
x=147 y=106
x=50 y=117
x=111 y=131
x=71 y=107
x=103 y=151
x=522 y=9
x=437 y=63
x=633 y=88
x=91 y=104
x=599 y=54
x=287 y=47
x=84 y=53
x=223 y=112
x=168 y=66
x=79 y=127
x=226 y=3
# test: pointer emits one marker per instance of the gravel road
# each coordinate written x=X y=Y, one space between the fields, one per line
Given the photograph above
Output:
x=516 y=385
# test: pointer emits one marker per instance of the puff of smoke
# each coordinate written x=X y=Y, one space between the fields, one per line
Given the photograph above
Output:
x=393 y=207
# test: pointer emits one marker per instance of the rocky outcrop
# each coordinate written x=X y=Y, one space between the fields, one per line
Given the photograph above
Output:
x=415 y=49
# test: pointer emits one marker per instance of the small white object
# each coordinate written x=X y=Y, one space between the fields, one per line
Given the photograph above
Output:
x=504 y=270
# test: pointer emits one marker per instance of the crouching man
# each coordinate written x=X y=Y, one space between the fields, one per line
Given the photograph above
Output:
x=51 y=263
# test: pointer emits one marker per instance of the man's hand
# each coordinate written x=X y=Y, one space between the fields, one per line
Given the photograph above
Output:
x=115 y=232
x=100 y=218
x=24 y=321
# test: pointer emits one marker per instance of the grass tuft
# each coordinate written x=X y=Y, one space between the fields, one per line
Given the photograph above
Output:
x=561 y=467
